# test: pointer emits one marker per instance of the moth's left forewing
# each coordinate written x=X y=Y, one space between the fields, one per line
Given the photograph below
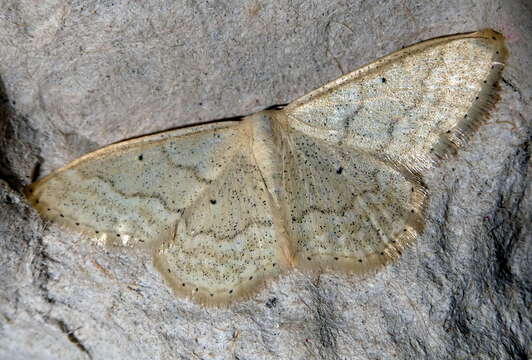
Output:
x=130 y=193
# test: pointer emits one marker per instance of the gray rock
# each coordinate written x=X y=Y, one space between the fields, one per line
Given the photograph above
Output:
x=80 y=75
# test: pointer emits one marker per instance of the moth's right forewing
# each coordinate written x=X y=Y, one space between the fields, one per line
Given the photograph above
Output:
x=413 y=106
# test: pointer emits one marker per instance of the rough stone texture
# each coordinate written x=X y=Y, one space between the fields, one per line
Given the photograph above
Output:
x=77 y=75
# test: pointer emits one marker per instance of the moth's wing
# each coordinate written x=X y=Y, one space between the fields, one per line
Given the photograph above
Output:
x=225 y=245
x=195 y=196
x=131 y=193
x=345 y=210
x=355 y=149
x=413 y=106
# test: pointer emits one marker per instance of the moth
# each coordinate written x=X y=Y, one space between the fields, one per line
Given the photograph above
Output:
x=331 y=182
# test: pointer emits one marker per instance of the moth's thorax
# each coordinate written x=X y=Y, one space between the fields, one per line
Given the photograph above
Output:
x=265 y=150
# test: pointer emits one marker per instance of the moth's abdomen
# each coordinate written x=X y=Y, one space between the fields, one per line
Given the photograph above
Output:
x=266 y=152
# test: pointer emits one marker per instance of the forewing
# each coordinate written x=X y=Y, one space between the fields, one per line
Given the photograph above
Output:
x=413 y=106
x=132 y=193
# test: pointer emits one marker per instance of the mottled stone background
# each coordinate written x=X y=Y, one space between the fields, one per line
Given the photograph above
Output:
x=77 y=75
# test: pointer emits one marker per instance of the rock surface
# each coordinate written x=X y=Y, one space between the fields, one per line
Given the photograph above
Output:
x=79 y=75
